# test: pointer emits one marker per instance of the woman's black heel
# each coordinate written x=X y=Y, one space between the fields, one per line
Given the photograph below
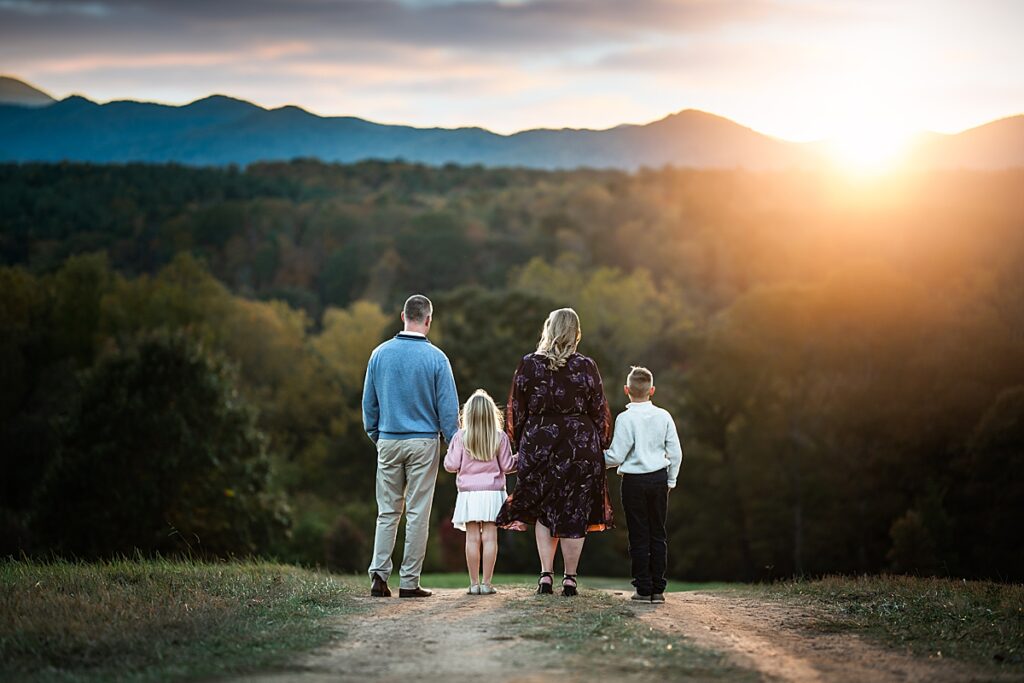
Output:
x=542 y=587
x=569 y=589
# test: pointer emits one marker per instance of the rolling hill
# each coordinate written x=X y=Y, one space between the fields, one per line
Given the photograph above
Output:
x=13 y=91
x=220 y=130
x=998 y=144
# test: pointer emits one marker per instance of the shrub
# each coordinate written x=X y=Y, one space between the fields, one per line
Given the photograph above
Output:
x=161 y=454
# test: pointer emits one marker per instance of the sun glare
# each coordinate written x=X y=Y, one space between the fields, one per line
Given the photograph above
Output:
x=869 y=148
x=870 y=118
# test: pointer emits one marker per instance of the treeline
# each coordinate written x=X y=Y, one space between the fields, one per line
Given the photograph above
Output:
x=183 y=352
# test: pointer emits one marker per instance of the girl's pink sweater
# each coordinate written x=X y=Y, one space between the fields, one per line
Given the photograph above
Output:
x=479 y=475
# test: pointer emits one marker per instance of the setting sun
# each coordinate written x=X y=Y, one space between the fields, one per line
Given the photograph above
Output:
x=869 y=148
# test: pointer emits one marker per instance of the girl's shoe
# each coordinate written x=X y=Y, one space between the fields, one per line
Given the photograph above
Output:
x=474 y=589
x=487 y=589
x=569 y=585
x=544 y=587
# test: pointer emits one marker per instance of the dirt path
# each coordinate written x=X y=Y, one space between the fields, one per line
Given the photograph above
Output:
x=448 y=638
x=453 y=637
x=788 y=643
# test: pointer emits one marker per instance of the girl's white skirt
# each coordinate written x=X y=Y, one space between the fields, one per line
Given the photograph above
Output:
x=477 y=506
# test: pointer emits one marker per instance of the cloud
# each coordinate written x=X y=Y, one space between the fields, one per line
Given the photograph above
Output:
x=507 y=64
x=500 y=45
x=491 y=25
x=102 y=61
x=32 y=8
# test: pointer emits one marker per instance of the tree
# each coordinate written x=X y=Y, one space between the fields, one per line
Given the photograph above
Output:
x=625 y=315
x=163 y=455
x=436 y=253
x=992 y=491
x=30 y=389
x=485 y=334
x=348 y=337
x=78 y=290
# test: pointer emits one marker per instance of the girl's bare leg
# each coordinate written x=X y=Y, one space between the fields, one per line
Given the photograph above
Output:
x=473 y=551
x=489 y=537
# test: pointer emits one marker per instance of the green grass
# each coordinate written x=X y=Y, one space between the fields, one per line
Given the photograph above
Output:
x=604 y=630
x=163 y=621
x=973 y=621
x=455 y=580
x=159 y=620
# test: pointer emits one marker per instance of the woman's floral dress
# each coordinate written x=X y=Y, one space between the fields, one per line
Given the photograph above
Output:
x=558 y=421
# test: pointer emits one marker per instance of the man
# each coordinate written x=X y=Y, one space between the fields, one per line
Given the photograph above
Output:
x=408 y=399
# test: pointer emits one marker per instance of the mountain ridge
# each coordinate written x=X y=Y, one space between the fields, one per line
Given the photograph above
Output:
x=219 y=130
x=14 y=91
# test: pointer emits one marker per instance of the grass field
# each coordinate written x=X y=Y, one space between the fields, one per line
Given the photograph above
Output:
x=162 y=620
x=973 y=621
x=159 y=620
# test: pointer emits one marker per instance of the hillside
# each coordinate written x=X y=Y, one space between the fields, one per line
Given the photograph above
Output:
x=220 y=130
x=13 y=91
x=998 y=144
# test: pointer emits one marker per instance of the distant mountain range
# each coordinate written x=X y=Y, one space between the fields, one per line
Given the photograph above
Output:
x=221 y=130
x=13 y=91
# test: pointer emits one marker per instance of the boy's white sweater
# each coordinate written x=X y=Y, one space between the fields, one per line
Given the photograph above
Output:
x=645 y=441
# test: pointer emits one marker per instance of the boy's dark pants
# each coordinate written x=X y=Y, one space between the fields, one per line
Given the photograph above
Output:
x=645 y=500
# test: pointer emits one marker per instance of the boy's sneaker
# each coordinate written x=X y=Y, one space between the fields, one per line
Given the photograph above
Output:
x=658 y=597
x=639 y=597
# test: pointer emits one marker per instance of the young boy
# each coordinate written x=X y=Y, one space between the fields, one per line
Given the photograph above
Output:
x=647 y=451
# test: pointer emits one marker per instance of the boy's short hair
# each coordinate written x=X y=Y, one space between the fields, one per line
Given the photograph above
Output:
x=417 y=308
x=639 y=380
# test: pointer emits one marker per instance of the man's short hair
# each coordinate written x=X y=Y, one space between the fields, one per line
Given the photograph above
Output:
x=417 y=309
x=639 y=380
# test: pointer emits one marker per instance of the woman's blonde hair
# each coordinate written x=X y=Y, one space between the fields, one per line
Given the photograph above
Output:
x=560 y=337
x=483 y=424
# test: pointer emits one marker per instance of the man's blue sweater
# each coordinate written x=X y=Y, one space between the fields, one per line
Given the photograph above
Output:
x=409 y=392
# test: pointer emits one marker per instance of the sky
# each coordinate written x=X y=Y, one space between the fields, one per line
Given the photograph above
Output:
x=795 y=69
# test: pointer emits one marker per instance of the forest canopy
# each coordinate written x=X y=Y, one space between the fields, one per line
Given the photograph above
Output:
x=844 y=358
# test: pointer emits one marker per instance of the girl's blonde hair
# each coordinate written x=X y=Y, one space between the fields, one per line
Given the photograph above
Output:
x=560 y=337
x=483 y=424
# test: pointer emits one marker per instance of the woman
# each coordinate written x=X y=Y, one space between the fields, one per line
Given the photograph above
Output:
x=558 y=421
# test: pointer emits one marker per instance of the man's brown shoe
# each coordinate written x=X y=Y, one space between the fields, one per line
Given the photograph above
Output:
x=379 y=587
x=414 y=593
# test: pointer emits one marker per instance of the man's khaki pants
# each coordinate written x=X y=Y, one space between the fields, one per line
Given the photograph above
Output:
x=406 y=473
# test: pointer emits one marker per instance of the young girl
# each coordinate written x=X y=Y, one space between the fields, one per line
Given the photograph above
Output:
x=481 y=454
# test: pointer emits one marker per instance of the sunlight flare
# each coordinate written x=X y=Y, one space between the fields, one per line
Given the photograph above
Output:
x=869 y=146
